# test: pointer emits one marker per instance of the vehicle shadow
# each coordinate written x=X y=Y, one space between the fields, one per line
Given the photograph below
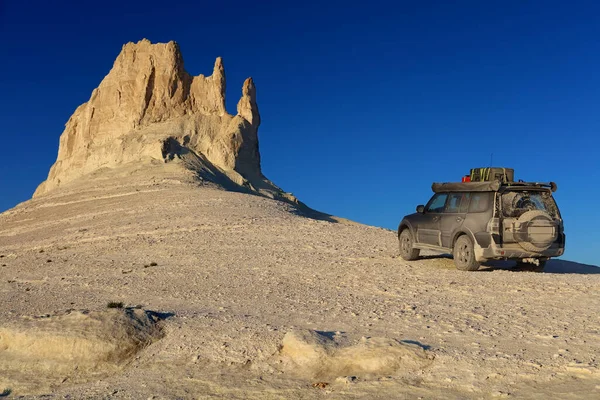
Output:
x=553 y=266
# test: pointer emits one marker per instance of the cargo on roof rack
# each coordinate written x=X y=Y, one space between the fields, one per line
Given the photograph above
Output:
x=492 y=174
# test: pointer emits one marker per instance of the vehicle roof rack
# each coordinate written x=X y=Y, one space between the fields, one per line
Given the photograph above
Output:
x=551 y=185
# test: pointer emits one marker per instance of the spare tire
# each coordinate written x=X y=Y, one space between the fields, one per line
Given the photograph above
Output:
x=538 y=231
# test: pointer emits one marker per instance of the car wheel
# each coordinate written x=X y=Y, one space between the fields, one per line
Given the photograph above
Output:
x=464 y=254
x=407 y=251
x=523 y=266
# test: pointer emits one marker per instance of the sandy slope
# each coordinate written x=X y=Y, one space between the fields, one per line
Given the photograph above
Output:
x=236 y=274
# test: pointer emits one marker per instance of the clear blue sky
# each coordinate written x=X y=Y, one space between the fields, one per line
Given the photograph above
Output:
x=364 y=104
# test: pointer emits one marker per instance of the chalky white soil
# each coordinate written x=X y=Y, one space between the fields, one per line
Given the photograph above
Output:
x=232 y=295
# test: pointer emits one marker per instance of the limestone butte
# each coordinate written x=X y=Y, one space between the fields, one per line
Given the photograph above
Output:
x=148 y=109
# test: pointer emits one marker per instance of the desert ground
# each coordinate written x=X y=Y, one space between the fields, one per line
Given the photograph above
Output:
x=232 y=295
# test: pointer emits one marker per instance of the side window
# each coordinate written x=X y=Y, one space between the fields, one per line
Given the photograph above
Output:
x=479 y=202
x=453 y=204
x=437 y=202
x=464 y=205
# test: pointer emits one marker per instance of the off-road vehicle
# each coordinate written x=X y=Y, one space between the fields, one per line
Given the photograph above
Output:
x=487 y=216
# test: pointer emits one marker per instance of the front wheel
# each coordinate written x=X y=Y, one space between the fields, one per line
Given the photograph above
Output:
x=464 y=255
x=407 y=251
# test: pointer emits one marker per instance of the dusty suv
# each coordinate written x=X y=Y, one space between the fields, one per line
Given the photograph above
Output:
x=480 y=221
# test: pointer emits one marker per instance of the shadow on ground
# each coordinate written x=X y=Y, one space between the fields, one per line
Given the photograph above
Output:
x=417 y=343
x=254 y=185
x=553 y=266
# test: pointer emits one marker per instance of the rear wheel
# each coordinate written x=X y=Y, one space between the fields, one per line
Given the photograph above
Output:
x=407 y=251
x=464 y=254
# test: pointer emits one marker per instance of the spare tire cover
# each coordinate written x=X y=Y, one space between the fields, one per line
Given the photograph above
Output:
x=538 y=231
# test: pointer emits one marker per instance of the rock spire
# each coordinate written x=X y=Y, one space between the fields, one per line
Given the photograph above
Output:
x=149 y=108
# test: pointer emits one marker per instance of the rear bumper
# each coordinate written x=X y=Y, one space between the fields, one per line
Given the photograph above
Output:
x=495 y=251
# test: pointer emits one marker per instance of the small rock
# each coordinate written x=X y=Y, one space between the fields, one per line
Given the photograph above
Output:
x=346 y=379
x=320 y=385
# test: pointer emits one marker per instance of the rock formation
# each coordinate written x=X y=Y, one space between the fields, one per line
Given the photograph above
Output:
x=149 y=108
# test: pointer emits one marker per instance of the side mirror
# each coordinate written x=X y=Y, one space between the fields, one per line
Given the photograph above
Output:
x=420 y=209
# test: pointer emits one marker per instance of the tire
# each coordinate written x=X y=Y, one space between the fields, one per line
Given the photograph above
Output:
x=523 y=266
x=464 y=254
x=406 y=242
x=525 y=219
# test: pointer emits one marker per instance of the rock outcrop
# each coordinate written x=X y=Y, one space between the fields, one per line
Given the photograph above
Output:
x=149 y=108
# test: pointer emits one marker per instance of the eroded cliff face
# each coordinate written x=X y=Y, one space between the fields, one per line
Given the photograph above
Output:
x=149 y=108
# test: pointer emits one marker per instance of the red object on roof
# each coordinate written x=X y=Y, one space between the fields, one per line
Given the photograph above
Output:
x=466 y=178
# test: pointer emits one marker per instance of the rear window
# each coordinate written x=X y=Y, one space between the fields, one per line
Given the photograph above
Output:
x=458 y=203
x=516 y=203
x=480 y=202
x=453 y=204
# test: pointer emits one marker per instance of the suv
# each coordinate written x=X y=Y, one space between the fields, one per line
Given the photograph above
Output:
x=490 y=220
